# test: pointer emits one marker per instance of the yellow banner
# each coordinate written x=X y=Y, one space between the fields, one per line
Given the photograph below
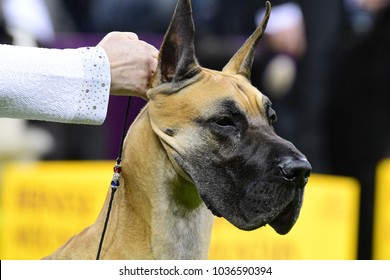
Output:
x=43 y=204
x=381 y=244
x=326 y=228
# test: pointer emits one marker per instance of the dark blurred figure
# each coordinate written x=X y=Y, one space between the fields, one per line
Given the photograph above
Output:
x=225 y=17
x=78 y=11
x=221 y=28
x=305 y=52
x=5 y=38
x=359 y=112
x=336 y=109
x=135 y=15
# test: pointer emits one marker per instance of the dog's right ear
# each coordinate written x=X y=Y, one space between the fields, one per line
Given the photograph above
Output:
x=241 y=62
x=177 y=61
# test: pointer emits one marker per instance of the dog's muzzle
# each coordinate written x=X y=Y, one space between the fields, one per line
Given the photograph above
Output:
x=295 y=170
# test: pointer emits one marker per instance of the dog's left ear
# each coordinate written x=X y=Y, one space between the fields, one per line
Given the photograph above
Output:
x=241 y=62
x=177 y=61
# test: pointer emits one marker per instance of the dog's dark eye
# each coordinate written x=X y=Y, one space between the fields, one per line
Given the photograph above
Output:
x=225 y=121
x=227 y=125
x=271 y=115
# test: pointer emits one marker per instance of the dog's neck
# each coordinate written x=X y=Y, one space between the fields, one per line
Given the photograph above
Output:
x=156 y=213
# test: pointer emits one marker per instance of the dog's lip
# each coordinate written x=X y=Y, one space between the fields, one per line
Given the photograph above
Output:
x=285 y=220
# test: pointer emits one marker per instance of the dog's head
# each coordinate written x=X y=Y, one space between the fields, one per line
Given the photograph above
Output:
x=217 y=131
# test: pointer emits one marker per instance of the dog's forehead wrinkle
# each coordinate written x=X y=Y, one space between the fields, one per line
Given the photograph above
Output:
x=228 y=105
x=251 y=99
x=265 y=101
x=239 y=103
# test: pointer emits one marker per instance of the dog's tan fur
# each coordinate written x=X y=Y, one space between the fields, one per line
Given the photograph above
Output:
x=144 y=220
x=150 y=218
x=157 y=211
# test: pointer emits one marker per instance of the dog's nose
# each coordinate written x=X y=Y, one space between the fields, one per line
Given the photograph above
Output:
x=297 y=170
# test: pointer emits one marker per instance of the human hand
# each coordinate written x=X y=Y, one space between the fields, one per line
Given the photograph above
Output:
x=132 y=63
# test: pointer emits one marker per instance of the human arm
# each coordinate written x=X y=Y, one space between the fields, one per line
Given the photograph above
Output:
x=73 y=85
x=69 y=86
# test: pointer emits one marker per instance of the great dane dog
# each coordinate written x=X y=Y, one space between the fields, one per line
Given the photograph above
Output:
x=203 y=146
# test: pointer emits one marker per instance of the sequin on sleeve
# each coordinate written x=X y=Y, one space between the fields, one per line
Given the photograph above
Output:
x=93 y=102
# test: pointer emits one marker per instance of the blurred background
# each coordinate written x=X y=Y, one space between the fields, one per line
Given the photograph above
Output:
x=324 y=64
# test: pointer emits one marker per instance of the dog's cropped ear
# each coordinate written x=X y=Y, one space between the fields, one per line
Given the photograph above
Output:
x=177 y=60
x=241 y=62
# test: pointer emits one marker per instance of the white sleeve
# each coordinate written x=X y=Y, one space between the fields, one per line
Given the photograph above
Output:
x=69 y=86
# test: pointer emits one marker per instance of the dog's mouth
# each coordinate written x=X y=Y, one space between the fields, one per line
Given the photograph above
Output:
x=278 y=204
x=254 y=216
x=286 y=219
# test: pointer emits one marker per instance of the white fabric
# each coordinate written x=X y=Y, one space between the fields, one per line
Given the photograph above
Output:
x=30 y=16
x=69 y=86
x=282 y=17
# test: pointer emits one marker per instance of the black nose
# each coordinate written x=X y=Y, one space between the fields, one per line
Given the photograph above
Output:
x=297 y=170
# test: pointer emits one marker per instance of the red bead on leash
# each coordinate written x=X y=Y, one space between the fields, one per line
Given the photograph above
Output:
x=116 y=176
x=117 y=168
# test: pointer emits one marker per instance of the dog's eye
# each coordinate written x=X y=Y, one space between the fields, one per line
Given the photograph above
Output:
x=225 y=121
x=271 y=115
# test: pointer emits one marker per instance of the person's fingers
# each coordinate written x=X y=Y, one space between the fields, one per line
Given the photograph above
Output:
x=152 y=50
x=154 y=56
x=130 y=35
x=120 y=34
x=155 y=53
x=153 y=64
